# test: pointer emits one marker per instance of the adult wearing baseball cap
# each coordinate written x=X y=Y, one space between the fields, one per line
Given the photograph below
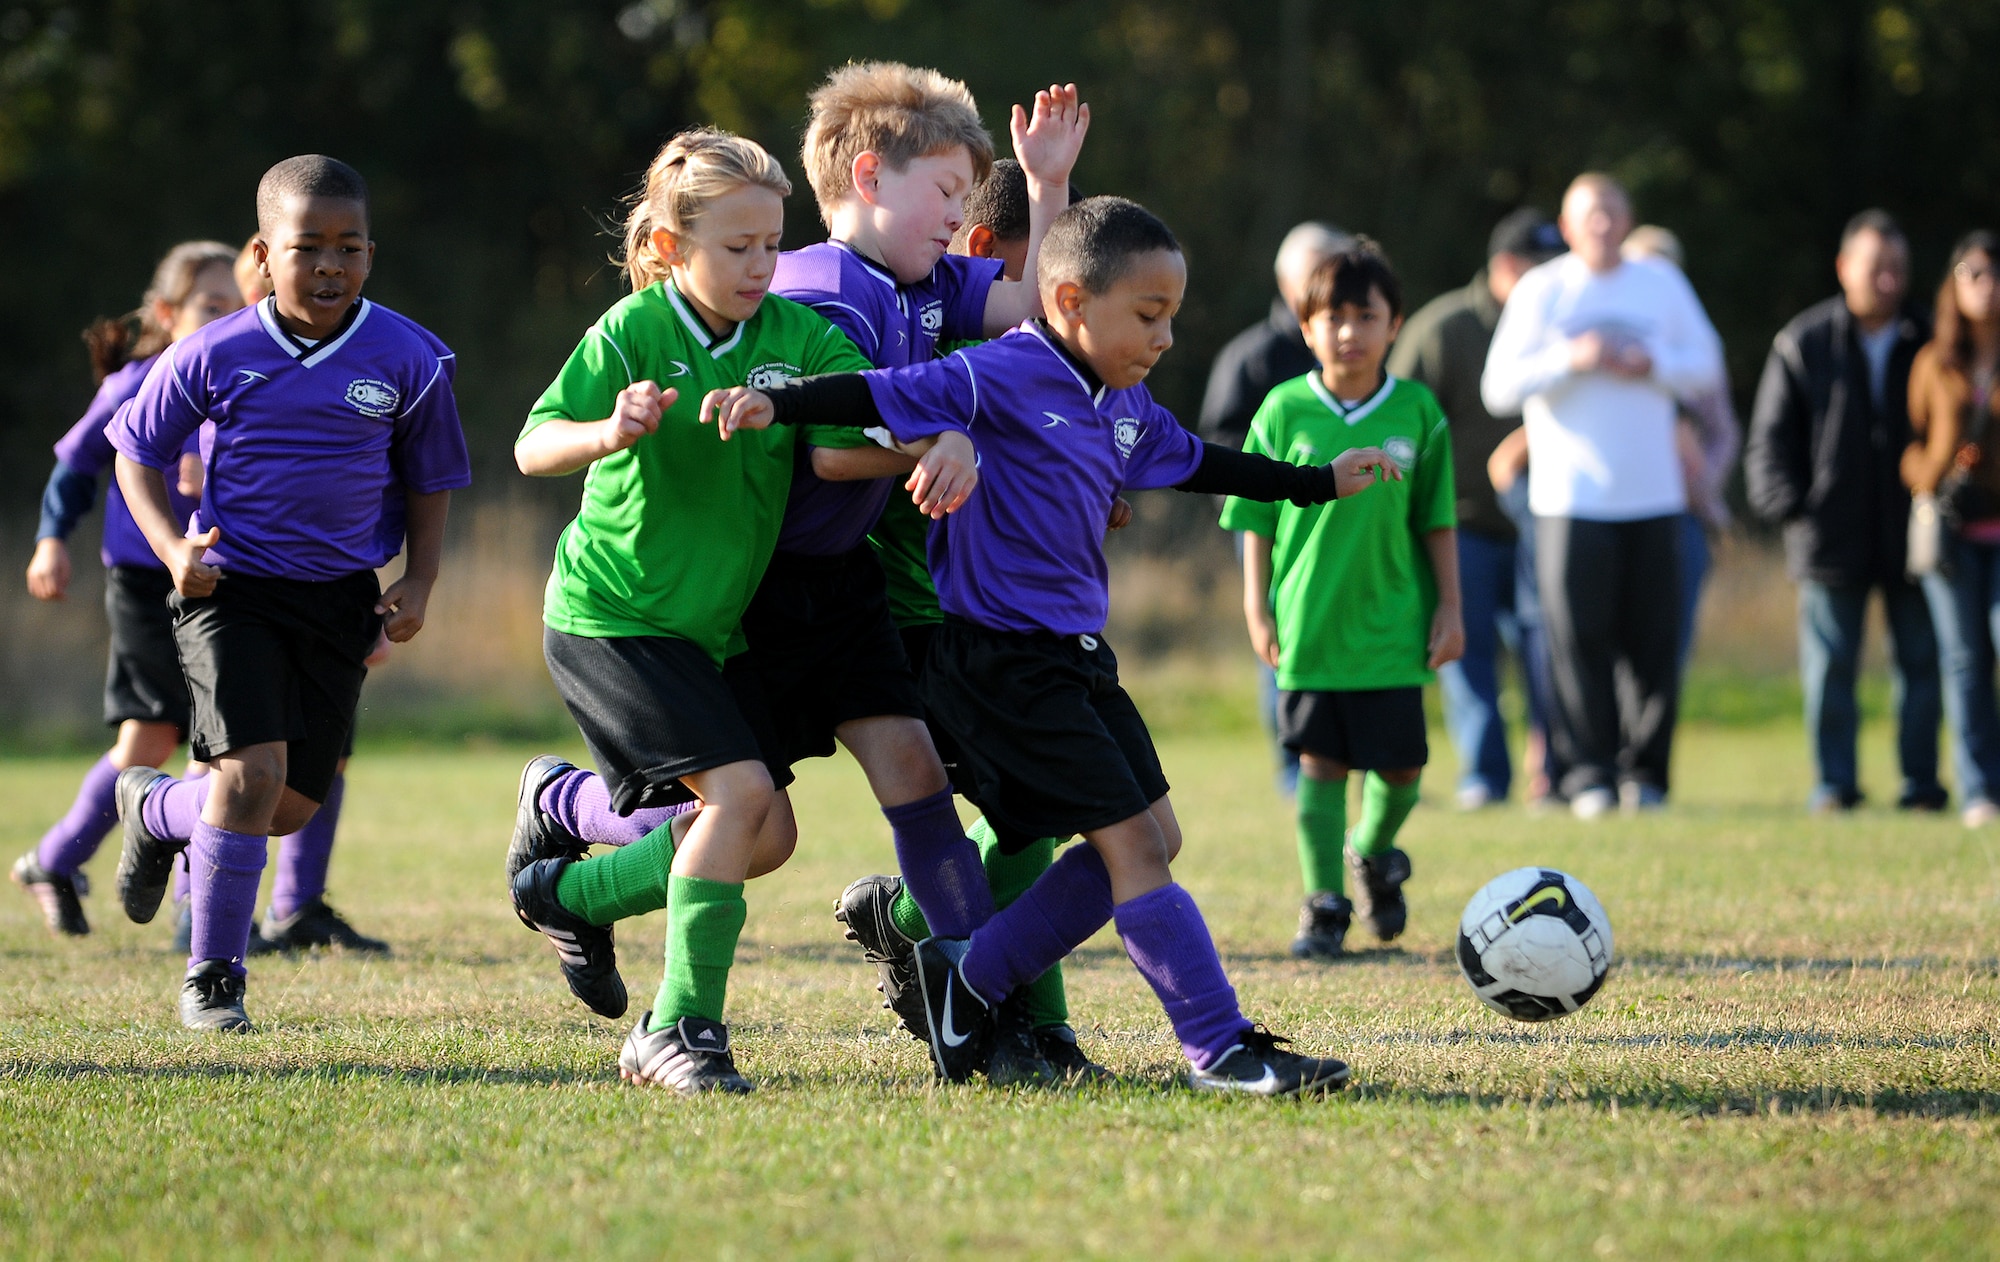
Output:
x=1444 y=346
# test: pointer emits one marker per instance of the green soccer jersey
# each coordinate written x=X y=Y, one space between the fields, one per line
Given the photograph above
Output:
x=1351 y=584
x=675 y=530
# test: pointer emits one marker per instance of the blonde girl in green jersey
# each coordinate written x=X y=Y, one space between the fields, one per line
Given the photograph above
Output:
x=645 y=597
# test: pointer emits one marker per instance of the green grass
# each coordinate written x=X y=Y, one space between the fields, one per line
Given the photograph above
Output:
x=1795 y=1057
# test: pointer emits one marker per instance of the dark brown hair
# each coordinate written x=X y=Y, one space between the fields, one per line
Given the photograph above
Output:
x=1347 y=276
x=1953 y=332
x=119 y=340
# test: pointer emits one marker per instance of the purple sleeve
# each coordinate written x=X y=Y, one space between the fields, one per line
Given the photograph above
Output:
x=428 y=450
x=924 y=399
x=964 y=283
x=1164 y=453
x=87 y=447
x=171 y=404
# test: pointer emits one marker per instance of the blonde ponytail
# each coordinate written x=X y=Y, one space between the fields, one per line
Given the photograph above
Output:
x=689 y=172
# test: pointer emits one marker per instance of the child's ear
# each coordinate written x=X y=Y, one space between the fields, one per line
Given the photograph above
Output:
x=260 y=250
x=1069 y=300
x=1395 y=327
x=865 y=174
x=979 y=241
x=163 y=313
x=666 y=246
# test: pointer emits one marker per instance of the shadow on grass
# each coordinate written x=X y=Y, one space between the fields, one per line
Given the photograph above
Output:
x=1806 y=964
x=1704 y=1100
x=1707 y=1040
x=331 y=1072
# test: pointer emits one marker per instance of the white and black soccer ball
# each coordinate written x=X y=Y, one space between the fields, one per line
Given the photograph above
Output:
x=1535 y=944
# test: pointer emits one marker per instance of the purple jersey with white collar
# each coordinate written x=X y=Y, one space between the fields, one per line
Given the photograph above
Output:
x=306 y=441
x=1026 y=552
x=87 y=449
x=894 y=325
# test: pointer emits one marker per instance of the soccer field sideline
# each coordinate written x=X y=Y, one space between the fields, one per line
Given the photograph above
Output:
x=1793 y=1057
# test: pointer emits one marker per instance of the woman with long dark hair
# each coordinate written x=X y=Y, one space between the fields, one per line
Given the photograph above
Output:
x=1952 y=413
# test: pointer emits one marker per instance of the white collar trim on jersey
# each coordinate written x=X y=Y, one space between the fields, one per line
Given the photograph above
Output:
x=1096 y=397
x=1359 y=412
x=307 y=355
x=700 y=329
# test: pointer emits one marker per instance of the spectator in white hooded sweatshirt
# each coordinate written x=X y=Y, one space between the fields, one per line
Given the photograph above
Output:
x=1594 y=350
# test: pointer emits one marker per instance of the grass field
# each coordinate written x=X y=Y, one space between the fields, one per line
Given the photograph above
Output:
x=1795 y=1057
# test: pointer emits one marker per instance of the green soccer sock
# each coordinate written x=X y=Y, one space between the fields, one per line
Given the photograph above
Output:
x=908 y=916
x=1044 y=999
x=1384 y=807
x=629 y=881
x=704 y=919
x=1322 y=830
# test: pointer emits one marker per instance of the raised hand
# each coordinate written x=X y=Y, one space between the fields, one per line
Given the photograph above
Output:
x=1046 y=144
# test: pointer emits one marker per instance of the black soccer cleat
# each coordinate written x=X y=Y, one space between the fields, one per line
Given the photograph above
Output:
x=958 y=1022
x=864 y=908
x=1378 y=890
x=1059 y=1047
x=536 y=836
x=212 y=1000
x=589 y=958
x=146 y=862
x=1323 y=923
x=60 y=896
x=313 y=925
x=1015 y=1058
x=691 y=1056
x=1259 y=1066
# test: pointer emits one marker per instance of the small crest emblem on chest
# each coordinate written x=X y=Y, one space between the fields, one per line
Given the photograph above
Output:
x=371 y=397
x=764 y=376
x=1125 y=432
x=1401 y=450
x=932 y=318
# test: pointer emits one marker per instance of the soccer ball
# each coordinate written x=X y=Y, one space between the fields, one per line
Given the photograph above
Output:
x=1534 y=944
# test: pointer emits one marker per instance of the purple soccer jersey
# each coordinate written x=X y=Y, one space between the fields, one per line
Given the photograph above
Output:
x=1026 y=552
x=87 y=449
x=894 y=325
x=307 y=440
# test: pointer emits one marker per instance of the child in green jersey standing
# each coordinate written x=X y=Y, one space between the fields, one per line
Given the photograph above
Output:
x=648 y=590
x=1353 y=603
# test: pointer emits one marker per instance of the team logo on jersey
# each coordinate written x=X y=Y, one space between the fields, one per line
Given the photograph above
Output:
x=764 y=376
x=371 y=397
x=1125 y=432
x=932 y=318
x=1401 y=450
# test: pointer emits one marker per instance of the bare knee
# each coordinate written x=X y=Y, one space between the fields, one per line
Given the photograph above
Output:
x=295 y=811
x=1401 y=776
x=740 y=790
x=778 y=840
x=1320 y=767
x=144 y=744
x=1163 y=815
x=897 y=756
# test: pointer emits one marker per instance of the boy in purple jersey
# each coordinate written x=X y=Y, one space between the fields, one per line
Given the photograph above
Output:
x=144 y=695
x=312 y=405
x=1020 y=674
x=892 y=151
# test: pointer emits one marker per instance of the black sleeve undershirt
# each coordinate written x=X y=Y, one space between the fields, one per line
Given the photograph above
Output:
x=840 y=398
x=1247 y=475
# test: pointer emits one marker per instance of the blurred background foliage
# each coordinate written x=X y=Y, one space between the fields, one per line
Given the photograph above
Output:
x=499 y=136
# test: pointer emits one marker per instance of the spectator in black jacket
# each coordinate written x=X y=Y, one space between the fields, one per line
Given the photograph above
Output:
x=1829 y=427
x=1268 y=352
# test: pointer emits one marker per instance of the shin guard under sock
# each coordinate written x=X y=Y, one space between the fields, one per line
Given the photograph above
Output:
x=303 y=856
x=940 y=865
x=1044 y=1000
x=704 y=920
x=76 y=836
x=1057 y=914
x=1384 y=807
x=173 y=807
x=224 y=870
x=1170 y=945
x=623 y=883
x=1322 y=832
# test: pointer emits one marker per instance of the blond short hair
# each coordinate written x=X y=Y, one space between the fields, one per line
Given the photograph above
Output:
x=689 y=172
x=1602 y=184
x=894 y=111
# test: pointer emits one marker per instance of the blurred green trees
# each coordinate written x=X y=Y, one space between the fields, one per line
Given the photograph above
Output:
x=499 y=135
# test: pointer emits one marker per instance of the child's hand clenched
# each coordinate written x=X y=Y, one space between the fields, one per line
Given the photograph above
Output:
x=636 y=414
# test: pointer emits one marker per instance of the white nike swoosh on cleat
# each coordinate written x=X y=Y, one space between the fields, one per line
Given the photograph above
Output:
x=951 y=1037
x=1267 y=1085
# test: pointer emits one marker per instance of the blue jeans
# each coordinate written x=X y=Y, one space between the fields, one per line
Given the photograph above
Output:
x=1695 y=562
x=1965 y=608
x=1830 y=622
x=1471 y=685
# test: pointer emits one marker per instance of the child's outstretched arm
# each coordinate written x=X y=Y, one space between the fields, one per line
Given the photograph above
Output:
x=1257 y=597
x=408 y=598
x=556 y=447
x=1448 y=623
x=1046 y=144
x=1247 y=475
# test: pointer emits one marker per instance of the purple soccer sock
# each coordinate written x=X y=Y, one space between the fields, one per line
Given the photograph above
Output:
x=1027 y=937
x=303 y=856
x=579 y=802
x=226 y=867
x=75 y=837
x=173 y=807
x=1171 y=947
x=940 y=865
x=195 y=771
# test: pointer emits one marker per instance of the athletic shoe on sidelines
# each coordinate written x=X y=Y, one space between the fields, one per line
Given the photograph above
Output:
x=691 y=1056
x=314 y=925
x=864 y=908
x=211 y=999
x=958 y=1022
x=589 y=959
x=60 y=896
x=146 y=862
x=1593 y=803
x=1059 y=1047
x=1323 y=922
x=1258 y=1066
x=536 y=836
x=1377 y=882
x=1016 y=1059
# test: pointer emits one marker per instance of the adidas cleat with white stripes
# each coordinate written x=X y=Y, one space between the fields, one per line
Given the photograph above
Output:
x=690 y=1056
x=588 y=957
